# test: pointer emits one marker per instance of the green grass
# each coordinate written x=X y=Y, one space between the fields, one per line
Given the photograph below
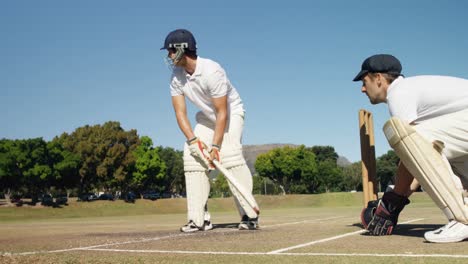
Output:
x=178 y=206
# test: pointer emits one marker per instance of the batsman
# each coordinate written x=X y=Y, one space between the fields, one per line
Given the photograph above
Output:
x=216 y=138
x=428 y=130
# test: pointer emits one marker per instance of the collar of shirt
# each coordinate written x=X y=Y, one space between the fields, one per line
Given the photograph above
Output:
x=393 y=84
x=198 y=69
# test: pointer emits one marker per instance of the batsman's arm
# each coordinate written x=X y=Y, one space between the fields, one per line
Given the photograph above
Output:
x=220 y=105
x=180 y=109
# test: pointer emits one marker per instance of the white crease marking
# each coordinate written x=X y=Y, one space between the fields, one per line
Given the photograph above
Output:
x=281 y=254
x=330 y=238
x=140 y=240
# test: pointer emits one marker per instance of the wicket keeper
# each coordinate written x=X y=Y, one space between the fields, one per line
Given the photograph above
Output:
x=428 y=130
x=217 y=134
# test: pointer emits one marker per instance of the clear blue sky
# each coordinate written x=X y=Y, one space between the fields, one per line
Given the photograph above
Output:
x=66 y=64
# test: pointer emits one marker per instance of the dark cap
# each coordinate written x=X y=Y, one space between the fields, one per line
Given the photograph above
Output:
x=383 y=63
x=180 y=38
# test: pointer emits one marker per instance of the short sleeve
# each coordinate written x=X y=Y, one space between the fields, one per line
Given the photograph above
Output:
x=217 y=84
x=176 y=86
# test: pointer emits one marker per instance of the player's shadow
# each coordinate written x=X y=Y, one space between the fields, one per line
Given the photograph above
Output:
x=412 y=230
x=226 y=226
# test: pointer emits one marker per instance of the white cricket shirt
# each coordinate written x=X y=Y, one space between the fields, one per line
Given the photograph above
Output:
x=208 y=81
x=419 y=98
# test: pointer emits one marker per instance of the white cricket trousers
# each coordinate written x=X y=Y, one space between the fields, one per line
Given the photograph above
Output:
x=196 y=178
x=452 y=130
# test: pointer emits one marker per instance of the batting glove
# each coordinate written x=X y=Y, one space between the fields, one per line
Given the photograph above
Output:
x=214 y=152
x=199 y=151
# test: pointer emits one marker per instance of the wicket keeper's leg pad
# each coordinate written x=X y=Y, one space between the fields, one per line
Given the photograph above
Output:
x=428 y=166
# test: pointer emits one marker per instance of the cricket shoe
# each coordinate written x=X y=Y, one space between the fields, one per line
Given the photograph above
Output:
x=192 y=227
x=452 y=232
x=248 y=223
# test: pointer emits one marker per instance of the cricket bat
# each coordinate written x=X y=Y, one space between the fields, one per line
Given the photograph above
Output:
x=247 y=196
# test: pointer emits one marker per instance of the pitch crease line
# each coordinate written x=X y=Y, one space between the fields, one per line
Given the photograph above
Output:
x=301 y=222
x=278 y=254
x=330 y=238
x=134 y=241
x=95 y=246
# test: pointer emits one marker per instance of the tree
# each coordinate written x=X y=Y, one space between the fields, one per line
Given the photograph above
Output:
x=174 y=180
x=264 y=185
x=331 y=176
x=10 y=173
x=106 y=154
x=150 y=169
x=35 y=166
x=324 y=153
x=25 y=164
x=65 y=166
x=219 y=186
x=352 y=176
x=292 y=168
x=387 y=165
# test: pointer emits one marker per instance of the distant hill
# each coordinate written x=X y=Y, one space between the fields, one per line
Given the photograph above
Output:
x=252 y=151
x=343 y=161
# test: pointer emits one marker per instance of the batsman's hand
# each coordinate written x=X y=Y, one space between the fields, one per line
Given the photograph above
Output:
x=199 y=150
x=214 y=153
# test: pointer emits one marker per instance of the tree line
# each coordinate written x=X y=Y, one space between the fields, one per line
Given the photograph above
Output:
x=308 y=170
x=92 y=158
x=106 y=158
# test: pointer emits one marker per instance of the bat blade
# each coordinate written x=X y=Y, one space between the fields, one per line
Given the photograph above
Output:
x=247 y=196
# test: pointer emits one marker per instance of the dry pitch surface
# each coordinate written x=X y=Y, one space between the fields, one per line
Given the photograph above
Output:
x=297 y=235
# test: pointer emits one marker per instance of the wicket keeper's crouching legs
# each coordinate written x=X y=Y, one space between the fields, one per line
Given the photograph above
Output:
x=428 y=163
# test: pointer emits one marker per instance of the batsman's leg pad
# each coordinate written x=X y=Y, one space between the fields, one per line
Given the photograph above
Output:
x=231 y=158
x=244 y=177
x=198 y=190
x=234 y=161
x=193 y=164
x=196 y=177
x=428 y=166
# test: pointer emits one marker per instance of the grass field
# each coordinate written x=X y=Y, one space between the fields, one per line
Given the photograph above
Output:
x=294 y=229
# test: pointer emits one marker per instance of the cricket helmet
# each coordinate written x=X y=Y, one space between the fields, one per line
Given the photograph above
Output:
x=180 y=38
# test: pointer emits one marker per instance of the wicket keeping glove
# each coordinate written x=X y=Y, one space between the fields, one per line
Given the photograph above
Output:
x=368 y=213
x=386 y=214
x=199 y=151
